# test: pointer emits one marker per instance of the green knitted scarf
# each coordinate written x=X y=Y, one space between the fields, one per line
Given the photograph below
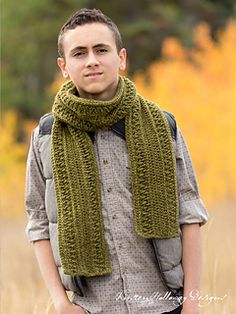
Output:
x=82 y=246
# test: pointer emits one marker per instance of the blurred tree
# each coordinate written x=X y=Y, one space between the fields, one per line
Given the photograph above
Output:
x=198 y=86
x=29 y=38
x=29 y=50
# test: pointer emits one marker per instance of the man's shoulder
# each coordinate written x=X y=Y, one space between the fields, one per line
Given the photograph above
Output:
x=45 y=124
x=169 y=117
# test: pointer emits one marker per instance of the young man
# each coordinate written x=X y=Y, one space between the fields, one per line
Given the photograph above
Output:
x=113 y=204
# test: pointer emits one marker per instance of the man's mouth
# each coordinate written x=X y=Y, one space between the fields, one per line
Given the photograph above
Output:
x=93 y=74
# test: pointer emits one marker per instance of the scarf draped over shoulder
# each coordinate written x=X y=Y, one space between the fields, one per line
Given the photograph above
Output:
x=82 y=246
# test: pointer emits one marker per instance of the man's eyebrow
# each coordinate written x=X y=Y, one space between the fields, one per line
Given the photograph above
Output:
x=101 y=45
x=84 y=48
x=77 y=48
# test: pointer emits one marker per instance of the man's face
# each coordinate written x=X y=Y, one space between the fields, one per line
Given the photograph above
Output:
x=92 y=61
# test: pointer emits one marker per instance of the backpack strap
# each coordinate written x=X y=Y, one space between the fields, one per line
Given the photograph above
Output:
x=46 y=122
x=172 y=124
x=119 y=127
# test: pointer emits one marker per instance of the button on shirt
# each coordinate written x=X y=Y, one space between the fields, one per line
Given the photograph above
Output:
x=134 y=285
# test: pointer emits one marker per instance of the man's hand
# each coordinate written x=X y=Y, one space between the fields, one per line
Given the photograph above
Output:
x=52 y=279
x=190 y=307
x=70 y=308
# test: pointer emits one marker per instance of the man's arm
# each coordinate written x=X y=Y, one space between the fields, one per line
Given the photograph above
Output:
x=192 y=215
x=52 y=280
x=191 y=261
x=37 y=229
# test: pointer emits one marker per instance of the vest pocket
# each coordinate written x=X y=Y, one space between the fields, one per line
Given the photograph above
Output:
x=71 y=283
x=169 y=254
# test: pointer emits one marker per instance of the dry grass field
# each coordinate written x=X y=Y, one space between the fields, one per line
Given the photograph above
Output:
x=23 y=292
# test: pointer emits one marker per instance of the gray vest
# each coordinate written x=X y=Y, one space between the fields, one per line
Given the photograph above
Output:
x=168 y=252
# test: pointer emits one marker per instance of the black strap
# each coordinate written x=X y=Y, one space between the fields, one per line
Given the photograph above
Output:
x=119 y=127
x=45 y=124
x=172 y=123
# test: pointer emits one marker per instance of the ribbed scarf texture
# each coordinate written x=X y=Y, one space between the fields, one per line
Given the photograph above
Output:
x=82 y=246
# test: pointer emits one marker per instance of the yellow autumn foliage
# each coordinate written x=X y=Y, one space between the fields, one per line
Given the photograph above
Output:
x=199 y=87
x=12 y=164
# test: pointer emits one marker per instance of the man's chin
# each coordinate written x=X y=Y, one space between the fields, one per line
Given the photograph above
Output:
x=93 y=92
x=97 y=94
x=98 y=91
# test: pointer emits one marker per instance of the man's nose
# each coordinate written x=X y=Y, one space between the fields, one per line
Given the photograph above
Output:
x=91 y=60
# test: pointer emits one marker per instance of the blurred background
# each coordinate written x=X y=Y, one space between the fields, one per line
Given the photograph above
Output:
x=181 y=54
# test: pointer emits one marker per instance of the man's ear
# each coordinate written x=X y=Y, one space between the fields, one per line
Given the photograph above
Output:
x=62 y=65
x=122 y=55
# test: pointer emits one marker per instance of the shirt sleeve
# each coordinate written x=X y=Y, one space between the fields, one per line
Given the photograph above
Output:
x=191 y=207
x=38 y=225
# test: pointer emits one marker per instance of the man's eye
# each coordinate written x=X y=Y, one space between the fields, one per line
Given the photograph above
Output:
x=79 y=54
x=102 y=50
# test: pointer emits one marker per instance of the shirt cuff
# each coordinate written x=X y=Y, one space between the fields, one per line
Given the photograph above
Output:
x=37 y=228
x=192 y=211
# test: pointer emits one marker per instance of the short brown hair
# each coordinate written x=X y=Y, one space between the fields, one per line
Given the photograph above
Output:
x=88 y=16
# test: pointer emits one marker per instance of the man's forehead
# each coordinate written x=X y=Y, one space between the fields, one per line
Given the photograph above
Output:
x=91 y=29
x=88 y=35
